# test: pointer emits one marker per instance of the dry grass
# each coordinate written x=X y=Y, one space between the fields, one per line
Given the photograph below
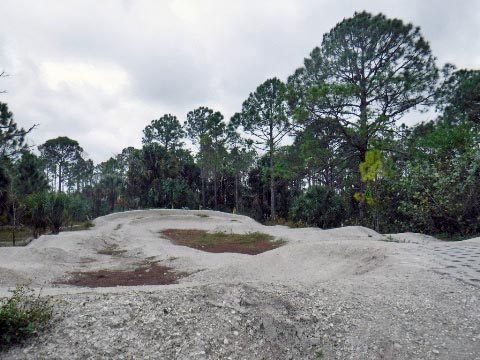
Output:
x=86 y=225
x=111 y=249
x=23 y=236
x=202 y=215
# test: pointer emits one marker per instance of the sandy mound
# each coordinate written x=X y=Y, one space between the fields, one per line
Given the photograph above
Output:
x=309 y=255
x=347 y=293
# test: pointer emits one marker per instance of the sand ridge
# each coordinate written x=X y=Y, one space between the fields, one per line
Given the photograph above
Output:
x=323 y=254
x=351 y=292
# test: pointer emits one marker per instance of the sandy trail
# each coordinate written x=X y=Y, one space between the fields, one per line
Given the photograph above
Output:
x=408 y=278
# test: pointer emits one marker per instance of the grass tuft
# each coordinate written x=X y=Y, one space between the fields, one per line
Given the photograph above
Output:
x=319 y=353
x=285 y=222
x=202 y=215
x=390 y=238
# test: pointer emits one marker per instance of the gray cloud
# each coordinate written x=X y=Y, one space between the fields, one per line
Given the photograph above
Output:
x=100 y=71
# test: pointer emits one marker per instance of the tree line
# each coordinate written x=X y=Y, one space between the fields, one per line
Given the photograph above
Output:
x=325 y=148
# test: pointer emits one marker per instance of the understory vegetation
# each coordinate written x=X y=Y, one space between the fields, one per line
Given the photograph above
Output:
x=22 y=315
x=325 y=148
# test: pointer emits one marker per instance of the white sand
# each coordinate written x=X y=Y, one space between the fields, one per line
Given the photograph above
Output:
x=310 y=255
x=351 y=292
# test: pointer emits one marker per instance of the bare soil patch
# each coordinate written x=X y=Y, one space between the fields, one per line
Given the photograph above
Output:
x=152 y=274
x=220 y=242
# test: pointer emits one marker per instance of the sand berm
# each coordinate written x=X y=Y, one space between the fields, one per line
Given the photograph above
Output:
x=346 y=293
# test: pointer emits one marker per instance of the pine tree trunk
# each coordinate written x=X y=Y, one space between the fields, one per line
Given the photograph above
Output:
x=236 y=192
x=363 y=145
x=203 y=187
x=14 y=228
x=273 y=215
x=224 y=184
x=362 y=206
x=215 y=190
x=59 y=178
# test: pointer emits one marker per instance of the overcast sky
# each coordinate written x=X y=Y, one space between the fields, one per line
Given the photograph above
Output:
x=99 y=71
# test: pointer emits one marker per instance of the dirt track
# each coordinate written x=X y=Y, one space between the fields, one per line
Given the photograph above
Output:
x=344 y=293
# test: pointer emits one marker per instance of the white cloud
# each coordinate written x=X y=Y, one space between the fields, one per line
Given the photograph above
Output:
x=108 y=78
x=100 y=71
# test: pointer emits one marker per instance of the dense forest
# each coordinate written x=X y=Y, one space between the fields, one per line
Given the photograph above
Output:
x=325 y=148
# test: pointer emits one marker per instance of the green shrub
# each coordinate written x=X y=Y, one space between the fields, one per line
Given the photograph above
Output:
x=318 y=206
x=22 y=315
x=78 y=209
x=47 y=209
x=57 y=210
x=36 y=214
